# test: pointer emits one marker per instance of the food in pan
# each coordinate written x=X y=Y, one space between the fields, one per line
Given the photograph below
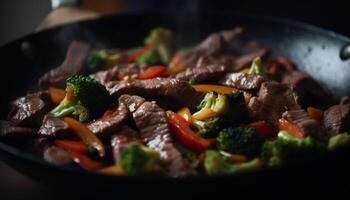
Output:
x=220 y=107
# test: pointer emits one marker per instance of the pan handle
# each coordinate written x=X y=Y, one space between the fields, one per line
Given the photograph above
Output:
x=345 y=52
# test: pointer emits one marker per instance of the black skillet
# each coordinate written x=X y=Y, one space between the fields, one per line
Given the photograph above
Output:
x=314 y=50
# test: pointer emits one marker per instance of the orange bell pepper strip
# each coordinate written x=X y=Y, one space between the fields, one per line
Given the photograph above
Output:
x=263 y=128
x=291 y=128
x=186 y=114
x=237 y=158
x=152 y=72
x=213 y=88
x=72 y=146
x=86 y=135
x=315 y=114
x=137 y=53
x=205 y=114
x=85 y=162
x=175 y=65
x=56 y=95
x=185 y=135
x=112 y=170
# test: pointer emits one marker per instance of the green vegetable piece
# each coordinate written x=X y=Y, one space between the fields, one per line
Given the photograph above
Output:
x=89 y=99
x=241 y=140
x=258 y=68
x=339 y=141
x=137 y=159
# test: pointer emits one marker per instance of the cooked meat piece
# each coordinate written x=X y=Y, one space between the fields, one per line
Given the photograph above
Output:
x=210 y=73
x=106 y=126
x=121 y=139
x=131 y=102
x=246 y=59
x=273 y=100
x=30 y=109
x=57 y=156
x=54 y=127
x=307 y=90
x=336 y=119
x=112 y=74
x=74 y=63
x=9 y=130
x=241 y=81
x=212 y=46
x=345 y=100
x=301 y=119
x=173 y=90
x=152 y=122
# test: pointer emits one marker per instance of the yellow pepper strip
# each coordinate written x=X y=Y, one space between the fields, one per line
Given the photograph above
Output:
x=237 y=158
x=205 y=114
x=186 y=114
x=247 y=97
x=86 y=135
x=213 y=88
x=245 y=71
x=56 y=95
x=112 y=170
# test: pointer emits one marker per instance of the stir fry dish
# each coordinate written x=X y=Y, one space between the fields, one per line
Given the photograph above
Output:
x=220 y=107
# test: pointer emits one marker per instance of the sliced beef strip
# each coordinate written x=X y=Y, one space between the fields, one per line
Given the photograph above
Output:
x=241 y=81
x=30 y=109
x=301 y=119
x=273 y=100
x=307 y=90
x=207 y=73
x=345 y=100
x=106 y=126
x=131 y=102
x=74 y=63
x=212 y=46
x=336 y=119
x=57 y=156
x=112 y=74
x=180 y=92
x=122 y=139
x=54 y=127
x=245 y=60
x=9 y=130
x=152 y=122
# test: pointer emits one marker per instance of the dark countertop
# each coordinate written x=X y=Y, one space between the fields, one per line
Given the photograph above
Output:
x=14 y=185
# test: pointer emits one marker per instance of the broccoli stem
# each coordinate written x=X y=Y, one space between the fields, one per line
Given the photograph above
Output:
x=65 y=108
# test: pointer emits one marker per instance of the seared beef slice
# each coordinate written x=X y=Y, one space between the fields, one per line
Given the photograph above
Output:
x=241 y=81
x=9 y=130
x=152 y=123
x=106 y=126
x=121 y=139
x=30 y=109
x=273 y=100
x=173 y=90
x=336 y=119
x=209 y=73
x=74 y=63
x=301 y=119
x=54 y=127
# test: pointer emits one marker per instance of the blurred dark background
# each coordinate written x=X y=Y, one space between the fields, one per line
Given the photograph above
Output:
x=18 y=17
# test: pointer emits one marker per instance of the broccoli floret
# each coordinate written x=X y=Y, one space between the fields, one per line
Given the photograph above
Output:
x=339 y=141
x=241 y=140
x=216 y=163
x=137 y=159
x=162 y=40
x=258 y=68
x=209 y=128
x=288 y=150
x=192 y=160
x=101 y=60
x=85 y=99
x=229 y=109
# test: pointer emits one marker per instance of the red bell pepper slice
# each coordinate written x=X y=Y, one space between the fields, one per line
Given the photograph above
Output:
x=185 y=135
x=290 y=128
x=86 y=162
x=152 y=72
x=263 y=128
x=72 y=146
